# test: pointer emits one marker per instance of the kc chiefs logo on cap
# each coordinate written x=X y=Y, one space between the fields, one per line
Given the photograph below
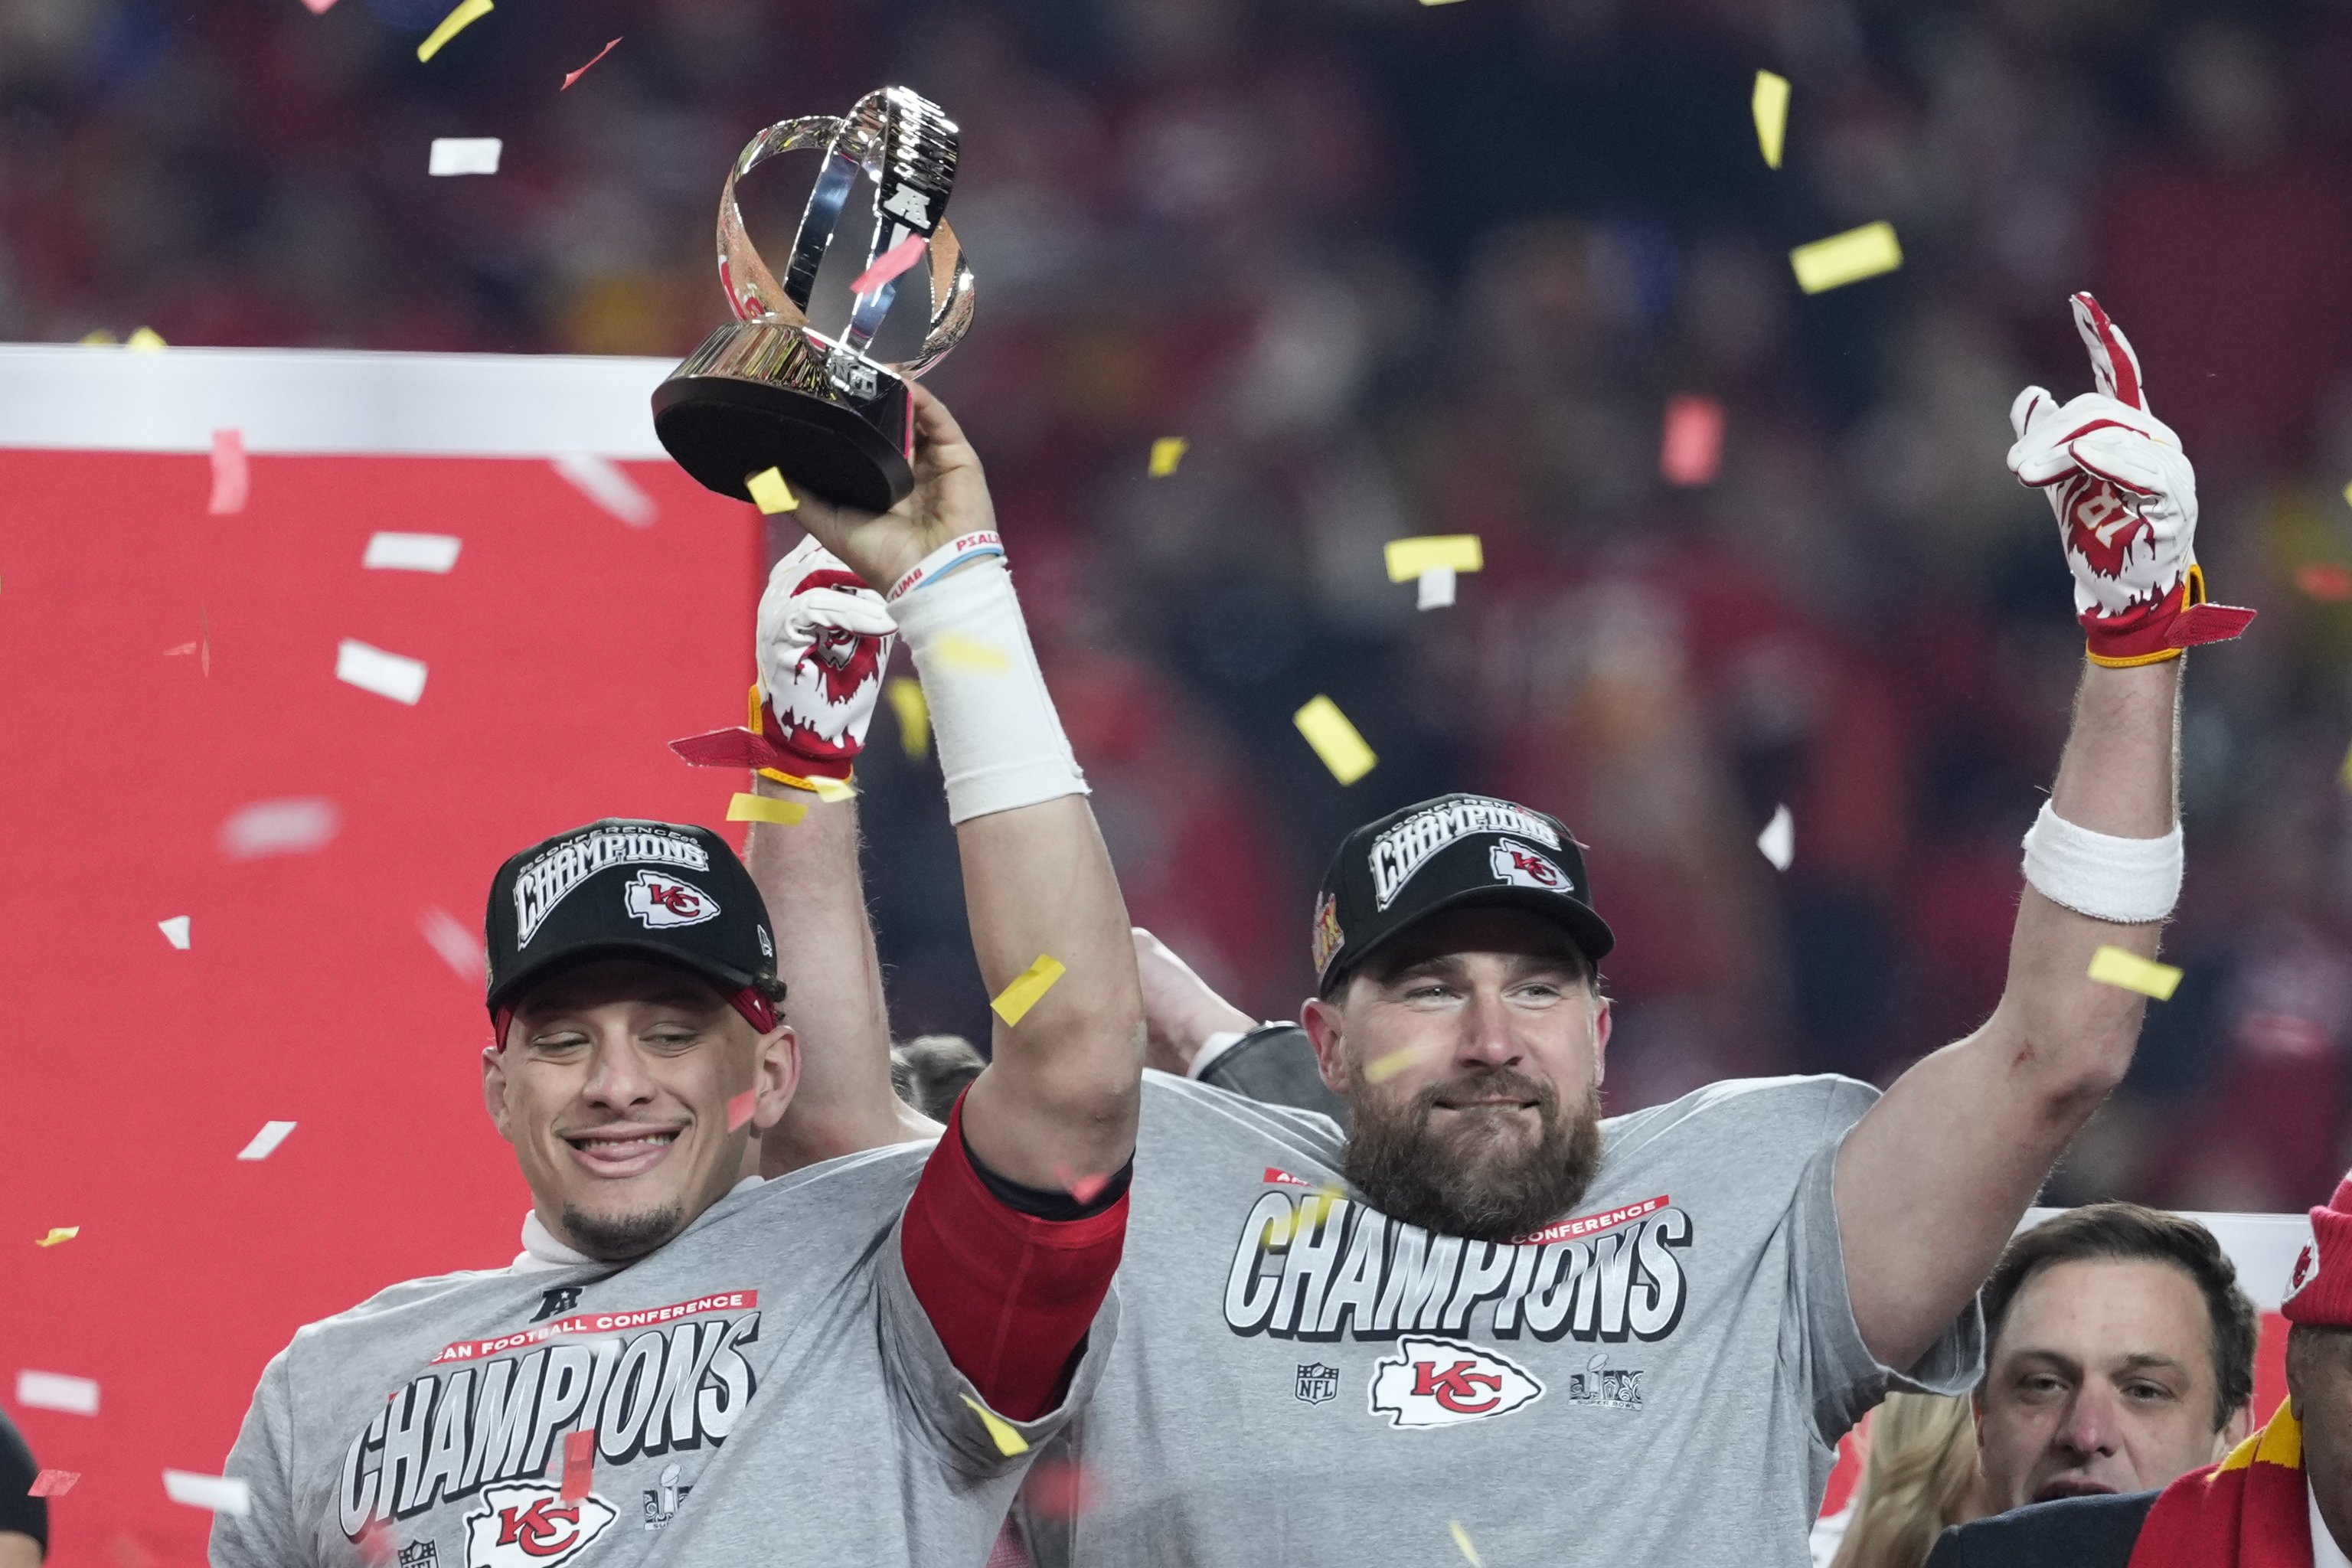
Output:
x=660 y=901
x=1521 y=866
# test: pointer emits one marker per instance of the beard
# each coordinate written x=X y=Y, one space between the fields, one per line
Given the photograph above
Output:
x=618 y=1238
x=1471 y=1181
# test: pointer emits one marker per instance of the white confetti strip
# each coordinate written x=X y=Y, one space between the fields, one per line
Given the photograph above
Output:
x=463 y=155
x=293 y=826
x=56 y=1391
x=1778 y=839
x=176 y=932
x=411 y=551
x=459 y=948
x=265 y=1142
x=1436 y=588
x=392 y=675
x=222 y=1494
x=607 y=484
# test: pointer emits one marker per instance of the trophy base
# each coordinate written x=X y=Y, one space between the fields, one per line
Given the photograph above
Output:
x=757 y=396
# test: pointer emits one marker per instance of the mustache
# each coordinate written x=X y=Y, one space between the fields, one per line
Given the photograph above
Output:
x=1486 y=1085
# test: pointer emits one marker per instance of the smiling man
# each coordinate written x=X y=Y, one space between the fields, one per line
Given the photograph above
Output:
x=848 y=1365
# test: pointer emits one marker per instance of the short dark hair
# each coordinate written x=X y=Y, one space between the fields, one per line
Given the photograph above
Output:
x=2129 y=1233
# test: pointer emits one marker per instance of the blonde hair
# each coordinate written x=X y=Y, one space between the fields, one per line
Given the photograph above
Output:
x=1918 y=1478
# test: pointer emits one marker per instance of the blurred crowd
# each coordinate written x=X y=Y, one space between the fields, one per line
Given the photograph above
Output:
x=1392 y=270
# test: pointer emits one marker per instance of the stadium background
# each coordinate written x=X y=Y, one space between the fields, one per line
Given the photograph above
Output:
x=1389 y=269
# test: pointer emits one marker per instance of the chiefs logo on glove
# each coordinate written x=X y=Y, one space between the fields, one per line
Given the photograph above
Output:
x=825 y=638
x=2127 y=503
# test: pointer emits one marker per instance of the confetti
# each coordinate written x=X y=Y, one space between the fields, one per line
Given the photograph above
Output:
x=770 y=493
x=1408 y=558
x=1771 y=103
x=459 y=948
x=833 y=792
x=56 y=1391
x=375 y=1544
x=607 y=484
x=2324 y=581
x=454 y=23
x=1059 y=1489
x=740 y=1109
x=1778 y=839
x=2348 y=495
x=890 y=263
x=914 y=711
x=1166 y=453
x=53 y=1483
x=2114 y=966
x=747 y=807
x=1436 y=588
x=58 y=1233
x=1847 y=258
x=386 y=674
x=229 y=474
x=958 y=651
x=2345 y=773
x=147 y=340
x=1382 y=1067
x=1008 y=1441
x=176 y=932
x=176 y=652
x=265 y=1142
x=1081 y=1187
x=319 y=7
x=297 y=825
x=1335 y=740
x=129 y=1552
x=411 y=553
x=1028 y=988
x=221 y=1494
x=1692 y=451
x=100 y=338
x=1462 y=1539
x=463 y=155
x=575 y=75
x=1438 y=2
x=579 y=1463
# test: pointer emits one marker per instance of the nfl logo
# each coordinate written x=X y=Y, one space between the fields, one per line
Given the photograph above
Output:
x=1317 y=1383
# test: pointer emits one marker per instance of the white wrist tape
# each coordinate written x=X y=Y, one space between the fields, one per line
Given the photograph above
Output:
x=2131 y=881
x=1001 y=742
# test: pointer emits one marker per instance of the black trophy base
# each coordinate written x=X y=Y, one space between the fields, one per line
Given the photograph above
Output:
x=722 y=429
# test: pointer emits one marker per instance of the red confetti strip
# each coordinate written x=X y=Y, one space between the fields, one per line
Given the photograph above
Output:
x=1082 y=1188
x=740 y=1109
x=53 y=1483
x=575 y=75
x=2324 y=581
x=228 y=472
x=1059 y=1489
x=1693 y=449
x=578 y=1465
x=374 y=1543
x=890 y=263
x=319 y=7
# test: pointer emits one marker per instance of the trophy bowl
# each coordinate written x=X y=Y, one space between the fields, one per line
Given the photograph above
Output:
x=768 y=390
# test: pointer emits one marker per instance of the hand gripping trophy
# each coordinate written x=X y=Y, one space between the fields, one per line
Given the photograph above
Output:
x=768 y=390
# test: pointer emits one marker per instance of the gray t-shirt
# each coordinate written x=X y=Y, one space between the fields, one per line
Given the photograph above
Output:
x=1660 y=1378
x=765 y=1388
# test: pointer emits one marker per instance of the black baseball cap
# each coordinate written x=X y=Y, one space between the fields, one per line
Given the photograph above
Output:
x=1449 y=853
x=662 y=890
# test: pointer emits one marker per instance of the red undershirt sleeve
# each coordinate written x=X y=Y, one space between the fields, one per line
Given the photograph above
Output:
x=1010 y=1295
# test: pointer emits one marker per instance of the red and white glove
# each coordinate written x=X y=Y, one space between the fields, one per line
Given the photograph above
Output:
x=2127 y=503
x=824 y=641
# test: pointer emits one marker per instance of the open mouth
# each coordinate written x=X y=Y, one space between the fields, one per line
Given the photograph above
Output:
x=621 y=1150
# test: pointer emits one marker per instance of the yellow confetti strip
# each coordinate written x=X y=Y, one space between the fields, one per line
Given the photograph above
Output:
x=1277 y=1230
x=914 y=712
x=1335 y=740
x=2348 y=489
x=58 y=1233
x=98 y=338
x=960 y=652
x=1408 y=558
x=2345 y=773
x=146 y=340
x=1381 y=1068
x=1847 y=258
x=1166 y=453
x=454 y=23
x=1008 y=1441
x=2114 y=966
x=1027 y=989
x=1462 y=1539
x=833 y=792
x=770 y=493
x=755 y=723
x=1771 y=105
x=764 y=808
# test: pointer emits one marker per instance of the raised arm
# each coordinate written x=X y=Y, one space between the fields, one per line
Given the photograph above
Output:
x=1935 y=1176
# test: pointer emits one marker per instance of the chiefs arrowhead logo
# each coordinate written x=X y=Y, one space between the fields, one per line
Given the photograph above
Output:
x=1443 y=1383
x=2306 y=1269
x=659 y=901
x=1521 y=866
x=520 y=1526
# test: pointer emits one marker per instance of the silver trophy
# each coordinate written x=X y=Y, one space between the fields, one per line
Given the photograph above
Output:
x=770 y=390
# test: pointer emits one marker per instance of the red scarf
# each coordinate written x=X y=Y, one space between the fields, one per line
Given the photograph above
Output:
x=2251 y=1510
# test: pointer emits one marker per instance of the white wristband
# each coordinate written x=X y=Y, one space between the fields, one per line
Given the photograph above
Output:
x=2131 y=881
x=1001 y=742
x=946 y=559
